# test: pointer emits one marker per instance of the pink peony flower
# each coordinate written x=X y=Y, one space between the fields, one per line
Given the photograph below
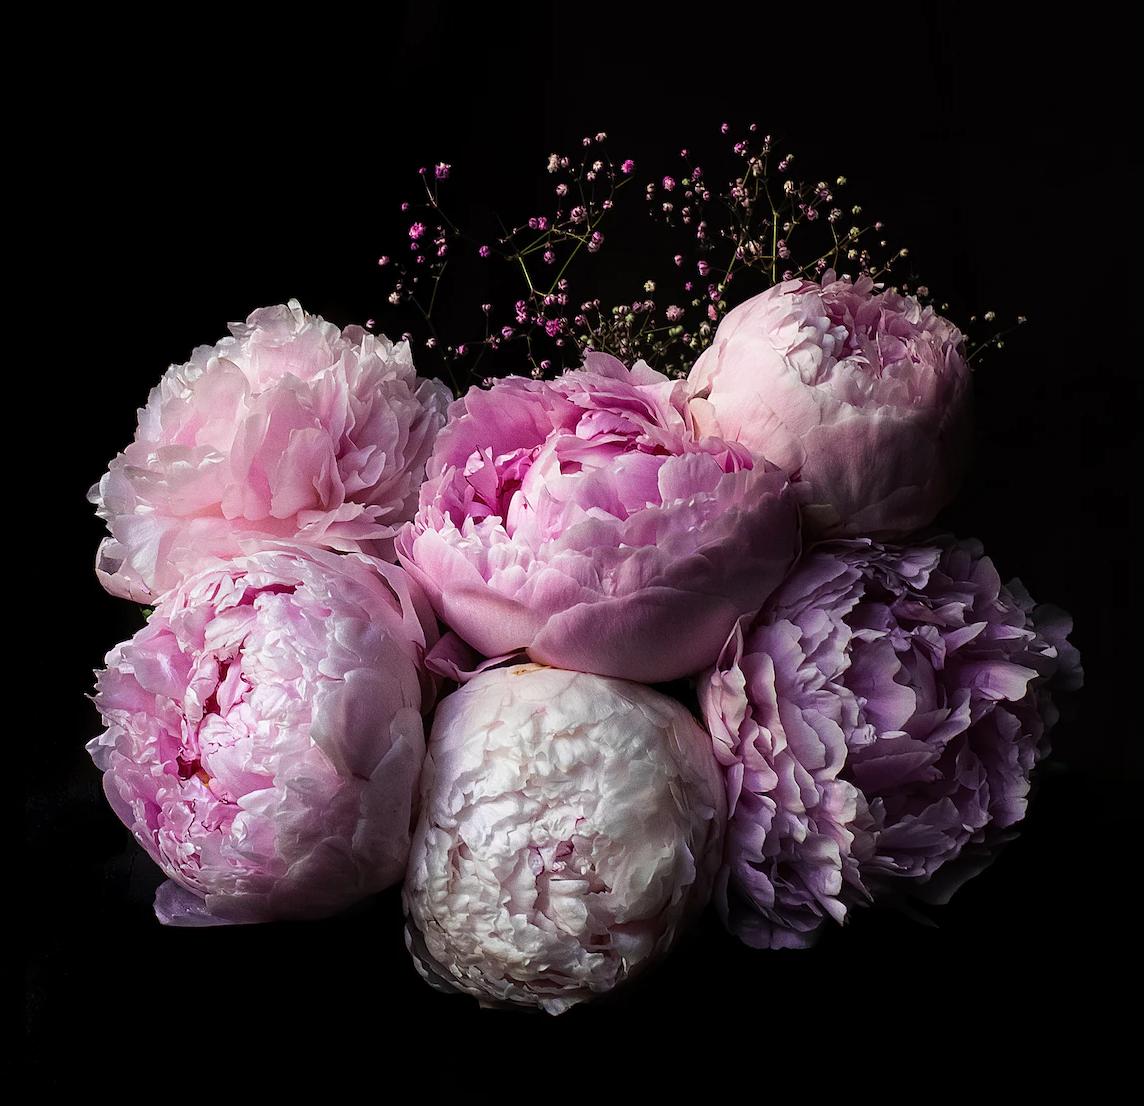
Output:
x=583 y=521
x=289 y=430
x=863 y=397
x=264 y=735
x=877 y=724
x=570 y=828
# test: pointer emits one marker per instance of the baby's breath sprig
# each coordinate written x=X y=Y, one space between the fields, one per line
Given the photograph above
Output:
x=429 y=246
x=540 y=249
x=976 y=347
x=765 y=224
x=762 y=227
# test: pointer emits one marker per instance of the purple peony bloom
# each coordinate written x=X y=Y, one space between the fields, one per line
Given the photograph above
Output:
x=877 y=723
x=861 y=396
x=583 y=520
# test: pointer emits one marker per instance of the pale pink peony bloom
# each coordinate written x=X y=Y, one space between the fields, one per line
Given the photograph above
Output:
x=570 y=829
x=582 y=520
x=264 y=734
x=861 y=396
x=290 y=430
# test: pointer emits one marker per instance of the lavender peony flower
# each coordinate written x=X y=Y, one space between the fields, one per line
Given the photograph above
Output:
x=583 y=521
x=289 y=430
x=570 y=826
x=863 y=397
x=264 y=734
x=877 y=724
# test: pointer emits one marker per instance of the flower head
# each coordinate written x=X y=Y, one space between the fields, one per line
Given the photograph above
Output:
x=861 y=396
x=290 y=430
x=877 y=723
x=583 y=521
x=570 y=827
x=264 y=736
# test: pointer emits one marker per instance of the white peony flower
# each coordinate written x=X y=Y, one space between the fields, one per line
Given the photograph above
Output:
x=570 y=828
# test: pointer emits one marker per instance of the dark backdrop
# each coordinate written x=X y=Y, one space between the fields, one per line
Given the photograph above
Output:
x=228 y=165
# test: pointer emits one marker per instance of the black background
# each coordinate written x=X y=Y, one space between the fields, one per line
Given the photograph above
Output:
x=196 y=174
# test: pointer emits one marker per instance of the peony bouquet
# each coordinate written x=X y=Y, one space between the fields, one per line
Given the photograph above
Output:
x=654 y=619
